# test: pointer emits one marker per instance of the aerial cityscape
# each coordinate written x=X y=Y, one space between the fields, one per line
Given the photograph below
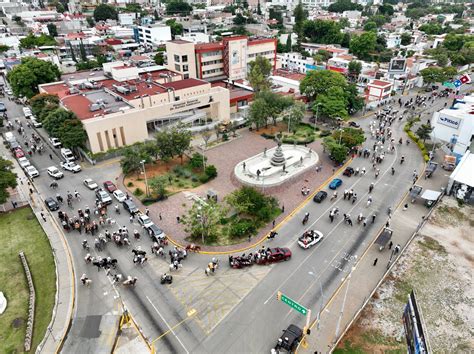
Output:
x=236 y=176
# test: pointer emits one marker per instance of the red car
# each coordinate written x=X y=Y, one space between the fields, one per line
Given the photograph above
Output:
x=19 y=153
x=109 y=186
x=273 y=255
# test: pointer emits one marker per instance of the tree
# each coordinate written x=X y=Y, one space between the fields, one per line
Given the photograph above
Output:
x=7 y=179
x=82 y=51
x=258 y=113
x=90 y=21
x=363 y=45
x=294 y=115
x=259 y=9
x=380 y=20
x=104 y=12
x=318 y=82
x=354 y=69
x=55 y=119
x=344 y=5
x=354 y=102
x=132 y=158
x=405 y=38
x=323 y=31
x=52 y=29
x=72 y=134
x=300 y=16
x=442 y=59
x=349 y=137
x=172 y=142
x=432 y=75
x=332 y=104
x=370 y=26
x=424 y=131
x=259 y=73
x=338 y=152
x=239 y=20
x=203 y=219
x=4 y=48
x=248 y=201
x=159 y=58
x=42 y=104
x=288 y=43
x=25 y=78
x=386 y=9
x=267 y=105
x=158 y=186
x=32 y=41
x=181 y=140
x=178 y=7
x=175 y=27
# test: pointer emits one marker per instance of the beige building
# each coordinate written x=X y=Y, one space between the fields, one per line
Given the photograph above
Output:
x=219 y=60
x=131 y=106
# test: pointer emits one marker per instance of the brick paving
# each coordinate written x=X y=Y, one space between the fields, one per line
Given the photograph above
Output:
x=225 y=157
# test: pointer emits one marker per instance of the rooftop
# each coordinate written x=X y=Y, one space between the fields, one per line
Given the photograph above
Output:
x=380 y=83
x=289 y=74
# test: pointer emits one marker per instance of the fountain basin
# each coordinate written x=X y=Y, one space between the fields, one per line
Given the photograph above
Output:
x=261 y=172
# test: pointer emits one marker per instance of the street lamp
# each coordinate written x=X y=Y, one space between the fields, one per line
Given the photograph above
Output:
x=147 y=192
x=343 y=302
x=313 y=274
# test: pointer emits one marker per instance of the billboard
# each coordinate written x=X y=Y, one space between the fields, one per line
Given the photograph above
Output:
x=397 y=65
x=451 y=122
x=414 y=332
x=237 y=51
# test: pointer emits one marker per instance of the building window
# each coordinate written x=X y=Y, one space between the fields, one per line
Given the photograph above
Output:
x=184 y=58
x=176 y=58
x=177 y=67
x=185 y=68
x=186 y=76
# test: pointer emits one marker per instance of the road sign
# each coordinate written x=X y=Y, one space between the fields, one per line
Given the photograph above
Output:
x=292 y=303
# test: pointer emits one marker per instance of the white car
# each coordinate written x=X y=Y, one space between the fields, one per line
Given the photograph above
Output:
x=31 y=171
x=24 y=163
x=71 y=166
x=54 y=172
x=55 y=142
x=35 y=123
x=119 y=195
x=89 y=183
x=9 y=91
x=310 y=238
x=67 y=154
x=103 y=196
x=144 y=220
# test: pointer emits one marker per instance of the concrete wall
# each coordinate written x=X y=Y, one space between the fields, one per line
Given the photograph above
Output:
x=181 y=49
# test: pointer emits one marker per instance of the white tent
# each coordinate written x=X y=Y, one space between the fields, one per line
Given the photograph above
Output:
x=464 y=172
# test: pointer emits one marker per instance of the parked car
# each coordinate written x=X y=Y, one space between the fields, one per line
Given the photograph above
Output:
x=89 y=183
x=310 y=238
x=336 y=182
x=31 y=171
x=35 y=123
x=109 y=186
x=71 y=166
x=8 y=91
x=354 y=124
x=275 y=255
x=119 y=195
x=130 y=206
x=67 y=154
x=55 y=142
x=3 y=108
x=18 y=152
x=155 y=233
x=51 y=204
x=27 y=112
x=23 y=161
x=103 y=196
x=320 y=196
x=54 y=172
x=144 y=220
x=290 y=339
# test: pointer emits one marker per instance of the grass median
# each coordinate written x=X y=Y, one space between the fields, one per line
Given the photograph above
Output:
x=20 y=231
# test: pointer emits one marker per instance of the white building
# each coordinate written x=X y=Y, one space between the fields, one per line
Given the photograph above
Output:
x=127 y=18
x=152 y=35
x=295 y=61
x=393 y=40
x=455 y=125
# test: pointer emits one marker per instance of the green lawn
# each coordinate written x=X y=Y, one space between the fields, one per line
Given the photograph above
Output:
x=20 y=231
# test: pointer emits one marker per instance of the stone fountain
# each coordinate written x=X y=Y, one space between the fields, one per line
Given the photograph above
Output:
x=276 y=165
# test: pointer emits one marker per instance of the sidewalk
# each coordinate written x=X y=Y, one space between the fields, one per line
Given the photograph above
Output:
x=347 y=302
x=65 y=283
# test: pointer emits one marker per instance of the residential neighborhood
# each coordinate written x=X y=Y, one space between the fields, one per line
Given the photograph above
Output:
x=194 y=176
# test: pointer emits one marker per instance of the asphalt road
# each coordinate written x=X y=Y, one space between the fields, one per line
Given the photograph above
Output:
x=235 y=310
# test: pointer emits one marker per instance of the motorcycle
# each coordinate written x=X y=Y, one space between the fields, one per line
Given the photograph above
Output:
x=166 y=279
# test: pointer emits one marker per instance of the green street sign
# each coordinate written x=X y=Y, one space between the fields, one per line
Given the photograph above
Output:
x=292 y=303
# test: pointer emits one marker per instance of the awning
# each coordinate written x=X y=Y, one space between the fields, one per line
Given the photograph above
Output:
x=430 y=195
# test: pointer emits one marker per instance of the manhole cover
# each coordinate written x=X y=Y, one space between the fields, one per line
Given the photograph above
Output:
x=18 y=322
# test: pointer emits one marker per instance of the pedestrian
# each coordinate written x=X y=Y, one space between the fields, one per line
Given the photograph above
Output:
x=387 y=224
x=50 y=156
x=250 y=238
x=365 y=222
x=397 y=249
x=43 y=217
x=371 y=187
x=14 y=204
x=393 y=171
x=331 y=217
x=390 y=245
x=273 y=223
x=147 y=211
x=349 y=221
x=345 y=193
x=131 y=219
x=178 y=219
x=31 y=190
x=405 y=207
x=282 y=209
x=159 y=215
x=375 y=262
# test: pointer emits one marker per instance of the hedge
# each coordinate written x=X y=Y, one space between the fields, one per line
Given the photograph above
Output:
x=417 y=140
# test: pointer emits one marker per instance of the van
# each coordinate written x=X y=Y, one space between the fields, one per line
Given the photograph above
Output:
x=130 y=206
x=67 y=154
x=27 y=112
x=9 y=137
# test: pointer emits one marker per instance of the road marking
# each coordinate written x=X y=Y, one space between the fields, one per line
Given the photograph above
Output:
x=166 y=323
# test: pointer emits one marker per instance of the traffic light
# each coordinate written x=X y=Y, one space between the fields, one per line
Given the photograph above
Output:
x=279 y=295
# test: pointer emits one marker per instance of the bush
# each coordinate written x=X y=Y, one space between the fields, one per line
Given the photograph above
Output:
x=194 y=178
x=241 y=228
x=225 y=137
x=211 y=171
x=267 y=136
x=187 y=173
x=138 y=192
x=179 y=170
x=196 y=161
x=150 y=200
x=130 y=184
x=324 y=133
x=308 y=140
x=203 y=178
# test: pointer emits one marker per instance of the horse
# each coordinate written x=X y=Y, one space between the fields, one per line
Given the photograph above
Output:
x=53 y=185
x=88 y=258
x=116 y=278
x=138 y=252
x=175 y=266
x=193 y=248
x=211 y=268
x=85 y=280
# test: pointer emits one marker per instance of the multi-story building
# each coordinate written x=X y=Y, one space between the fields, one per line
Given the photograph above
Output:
x=130 y=103
x=152 y=35
x=296 y=62
x=219 y=60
